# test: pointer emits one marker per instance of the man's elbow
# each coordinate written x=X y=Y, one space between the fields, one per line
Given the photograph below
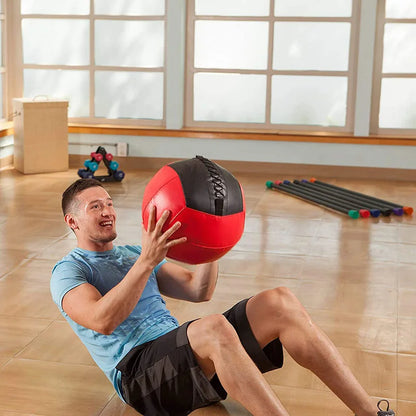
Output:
x=105 y=331
x=105 y=328
x=203 y=297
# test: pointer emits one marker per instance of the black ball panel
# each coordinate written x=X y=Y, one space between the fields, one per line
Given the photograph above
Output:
x=208 y=187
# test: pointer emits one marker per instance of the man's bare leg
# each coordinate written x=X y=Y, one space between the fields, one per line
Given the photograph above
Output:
x=277 y=313
x=218 y=350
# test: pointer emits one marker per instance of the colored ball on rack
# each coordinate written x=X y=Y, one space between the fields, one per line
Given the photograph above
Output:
x=118 y=175
x=207 y=200
x=113 y=165
x=93 y=166
x=85 y=174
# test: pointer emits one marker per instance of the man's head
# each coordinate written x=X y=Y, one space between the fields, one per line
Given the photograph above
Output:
x=89 y=212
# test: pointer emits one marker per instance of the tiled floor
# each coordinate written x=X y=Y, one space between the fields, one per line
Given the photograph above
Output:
x=357 y=278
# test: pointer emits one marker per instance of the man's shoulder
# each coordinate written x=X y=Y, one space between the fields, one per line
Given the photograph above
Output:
x=73 y=260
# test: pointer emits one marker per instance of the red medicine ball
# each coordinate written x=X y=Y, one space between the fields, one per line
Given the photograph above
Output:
x=206 y=199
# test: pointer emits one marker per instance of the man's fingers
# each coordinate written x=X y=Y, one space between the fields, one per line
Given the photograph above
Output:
x=163 y=218
x=175 y=227
x=172 y=243
x=152 y=218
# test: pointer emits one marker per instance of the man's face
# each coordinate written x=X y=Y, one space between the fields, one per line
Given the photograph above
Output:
x=94 y=219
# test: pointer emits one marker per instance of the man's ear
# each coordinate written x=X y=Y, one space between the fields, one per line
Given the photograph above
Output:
x=71 y=221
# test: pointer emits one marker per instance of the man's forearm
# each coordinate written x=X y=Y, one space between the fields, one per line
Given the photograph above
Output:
x=117 y=304
x=204 y=280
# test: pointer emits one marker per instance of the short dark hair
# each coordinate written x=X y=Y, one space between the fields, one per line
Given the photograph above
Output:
x=69 y=195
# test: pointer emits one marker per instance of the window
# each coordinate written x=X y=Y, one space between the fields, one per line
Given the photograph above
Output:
x=394 y=104
x=282 y=64
x=106 y=57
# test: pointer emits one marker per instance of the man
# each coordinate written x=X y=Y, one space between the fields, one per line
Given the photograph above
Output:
x=111 y=296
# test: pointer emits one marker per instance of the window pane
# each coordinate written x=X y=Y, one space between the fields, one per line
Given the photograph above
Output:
x=231 y=45
x=398 y=103
x=55 y=41
x=316 y=8
x=311 y=46
x=399 y=48
x=65 y=84
x=129 y=43
x=129 y=94
x=309 y=100
x=232 y=7
x=130 y=7
x=230 y=97
x=55 y=7
x=400 y=9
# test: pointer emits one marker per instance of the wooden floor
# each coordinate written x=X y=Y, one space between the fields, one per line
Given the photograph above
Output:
x=357 y=278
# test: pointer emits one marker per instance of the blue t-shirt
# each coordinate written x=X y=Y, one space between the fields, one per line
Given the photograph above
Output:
x=149 y=319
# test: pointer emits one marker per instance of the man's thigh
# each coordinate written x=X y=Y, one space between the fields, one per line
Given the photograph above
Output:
x=163 y=377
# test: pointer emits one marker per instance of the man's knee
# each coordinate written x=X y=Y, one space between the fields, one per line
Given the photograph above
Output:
x=211 y=333
x=282 y=303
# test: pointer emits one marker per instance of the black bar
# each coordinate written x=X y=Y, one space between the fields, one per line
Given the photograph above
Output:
x=357 y=202
x=328 y=198
x=387 y=210
x=352 y=213
x=407 y=210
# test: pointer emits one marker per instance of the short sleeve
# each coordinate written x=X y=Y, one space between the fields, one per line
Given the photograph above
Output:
x=156 y=269
x=66 y=275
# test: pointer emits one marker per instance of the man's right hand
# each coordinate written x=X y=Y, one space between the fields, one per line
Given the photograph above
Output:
x=155 y=242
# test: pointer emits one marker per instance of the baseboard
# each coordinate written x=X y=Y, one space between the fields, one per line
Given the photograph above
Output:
x=271 y=171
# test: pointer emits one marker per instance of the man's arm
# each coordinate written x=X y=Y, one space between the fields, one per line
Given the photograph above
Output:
x=85 y=305
x=197 y=286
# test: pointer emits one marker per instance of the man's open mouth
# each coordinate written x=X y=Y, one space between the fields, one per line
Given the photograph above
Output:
x=106 y=223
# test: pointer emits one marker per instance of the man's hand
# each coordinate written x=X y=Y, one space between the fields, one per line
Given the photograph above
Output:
x=155 y=242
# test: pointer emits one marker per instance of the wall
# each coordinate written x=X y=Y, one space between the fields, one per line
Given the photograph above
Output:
x=377 y=156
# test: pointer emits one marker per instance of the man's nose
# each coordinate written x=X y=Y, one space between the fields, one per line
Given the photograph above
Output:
x=107 y=211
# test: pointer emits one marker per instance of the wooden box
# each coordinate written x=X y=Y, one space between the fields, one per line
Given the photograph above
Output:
x=40 y=135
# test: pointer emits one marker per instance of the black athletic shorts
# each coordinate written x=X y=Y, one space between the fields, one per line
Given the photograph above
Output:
x=162 y=377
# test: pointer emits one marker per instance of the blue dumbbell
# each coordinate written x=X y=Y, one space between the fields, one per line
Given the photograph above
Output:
x=85 y=174
x=113 y=165
x=118 y=175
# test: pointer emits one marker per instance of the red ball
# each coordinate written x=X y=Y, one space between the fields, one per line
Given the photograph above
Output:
x=207 y=200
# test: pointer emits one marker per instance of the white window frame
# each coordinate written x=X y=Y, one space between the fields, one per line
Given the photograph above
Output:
x=378 y=75
x=269 y=72
x=91 y=67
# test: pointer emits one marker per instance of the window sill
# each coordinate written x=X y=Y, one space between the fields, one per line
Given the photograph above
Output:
x=6 y=129
x=318 y=137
